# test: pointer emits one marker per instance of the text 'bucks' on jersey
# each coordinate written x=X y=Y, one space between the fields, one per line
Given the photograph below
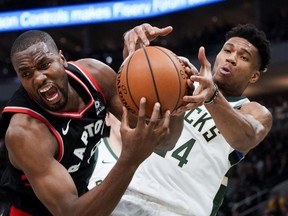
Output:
x=188 y=180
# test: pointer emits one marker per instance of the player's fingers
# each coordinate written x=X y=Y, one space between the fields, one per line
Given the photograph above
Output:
x=203 y=80
x=141 y=35
x=195 y=99
x=167 y=117
x=141 y=113
x=155 y=31
x=164 y=31
x=194 y=70
x=133 y=37
x=154 y=117
x=190 y=87
x=131 y=46
x=163 y=129
x=124 y=120
x=190 y=69
x=150 y=30
x=205 y=64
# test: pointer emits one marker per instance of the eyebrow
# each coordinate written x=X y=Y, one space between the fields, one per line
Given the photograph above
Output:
x=41 y=60
x=22 y=70
x=243 y=49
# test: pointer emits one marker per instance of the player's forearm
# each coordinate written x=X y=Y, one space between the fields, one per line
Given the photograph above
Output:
x=241 y=131
x=104 y=198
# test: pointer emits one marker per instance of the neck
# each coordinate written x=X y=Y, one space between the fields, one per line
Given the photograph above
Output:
x=75 y=101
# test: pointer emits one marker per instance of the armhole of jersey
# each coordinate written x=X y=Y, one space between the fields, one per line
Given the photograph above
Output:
x=89 y=77
x=106 y=143
x=42 y=119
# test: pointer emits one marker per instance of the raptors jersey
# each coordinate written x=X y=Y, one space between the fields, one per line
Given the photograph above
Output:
x=105 y=160
x=77 y=133
x=188 y=180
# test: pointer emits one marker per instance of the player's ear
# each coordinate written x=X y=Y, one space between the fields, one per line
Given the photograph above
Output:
x=255 y=76
x=63 y=59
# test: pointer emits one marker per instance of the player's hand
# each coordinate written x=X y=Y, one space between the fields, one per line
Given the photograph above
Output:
x=205 y=85
x=142 y=34
x=190 y=70
x=138 y=143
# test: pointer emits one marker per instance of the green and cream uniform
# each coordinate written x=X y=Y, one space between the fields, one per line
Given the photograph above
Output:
x=188 y=180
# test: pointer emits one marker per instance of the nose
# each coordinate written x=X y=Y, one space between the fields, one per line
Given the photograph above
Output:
x=39 y=77
x=231 y=58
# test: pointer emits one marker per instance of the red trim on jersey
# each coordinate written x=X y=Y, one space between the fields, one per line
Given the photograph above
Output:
x=30 y=112
x=89 y=77
x=17 y=212
x=23 y=177
x=80 y=113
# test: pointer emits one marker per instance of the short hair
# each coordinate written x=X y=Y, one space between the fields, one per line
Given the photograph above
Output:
x=255 y=37
x=31 y=37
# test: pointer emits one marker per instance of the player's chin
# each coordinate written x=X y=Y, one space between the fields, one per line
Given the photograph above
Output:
x=54 y=105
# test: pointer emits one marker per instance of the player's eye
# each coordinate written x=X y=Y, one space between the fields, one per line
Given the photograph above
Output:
x=43 y=66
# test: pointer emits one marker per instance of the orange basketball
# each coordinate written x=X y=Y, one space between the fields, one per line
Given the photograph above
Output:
x=155 y=73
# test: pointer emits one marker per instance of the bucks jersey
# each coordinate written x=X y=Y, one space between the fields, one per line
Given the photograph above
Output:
x=188 y=180
x=77 y=134
x=105 y=160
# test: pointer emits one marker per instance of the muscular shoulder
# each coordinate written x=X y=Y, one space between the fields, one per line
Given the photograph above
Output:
x=254 y=107
x=27 y=137
x=105 y=76
x=259 y=112
x=95 y=67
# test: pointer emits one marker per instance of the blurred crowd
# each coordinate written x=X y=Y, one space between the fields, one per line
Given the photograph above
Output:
x=274 y=24
x=252 y=181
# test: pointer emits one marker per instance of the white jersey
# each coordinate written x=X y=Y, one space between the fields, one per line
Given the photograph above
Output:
x=188 y=180
x=105 y=160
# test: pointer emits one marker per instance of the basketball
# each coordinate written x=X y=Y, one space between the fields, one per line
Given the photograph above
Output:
x=155 y=73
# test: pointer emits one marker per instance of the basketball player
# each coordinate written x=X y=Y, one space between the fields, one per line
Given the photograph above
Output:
x=191 y=179
x=54 y=123
x=107 y=153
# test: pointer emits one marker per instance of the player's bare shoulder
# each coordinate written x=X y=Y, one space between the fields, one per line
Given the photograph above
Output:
x=95 y=66
x=33 y=134
x=254 y=107
x=103 y=74
x=260 y=113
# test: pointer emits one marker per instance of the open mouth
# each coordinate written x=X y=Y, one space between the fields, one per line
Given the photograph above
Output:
x=225 y=70
x=49 y=92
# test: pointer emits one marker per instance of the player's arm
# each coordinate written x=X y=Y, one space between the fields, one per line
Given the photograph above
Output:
x=143 y=33
x=32 y=148
x=244 y=128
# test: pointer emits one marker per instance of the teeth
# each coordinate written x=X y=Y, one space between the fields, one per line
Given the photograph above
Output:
x=51 y=99
x=45 y=89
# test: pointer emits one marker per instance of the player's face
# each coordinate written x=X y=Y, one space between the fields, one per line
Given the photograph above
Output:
x=43 y=75
x=236 y=65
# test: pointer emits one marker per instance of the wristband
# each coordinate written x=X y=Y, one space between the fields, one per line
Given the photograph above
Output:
x=212 y=99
